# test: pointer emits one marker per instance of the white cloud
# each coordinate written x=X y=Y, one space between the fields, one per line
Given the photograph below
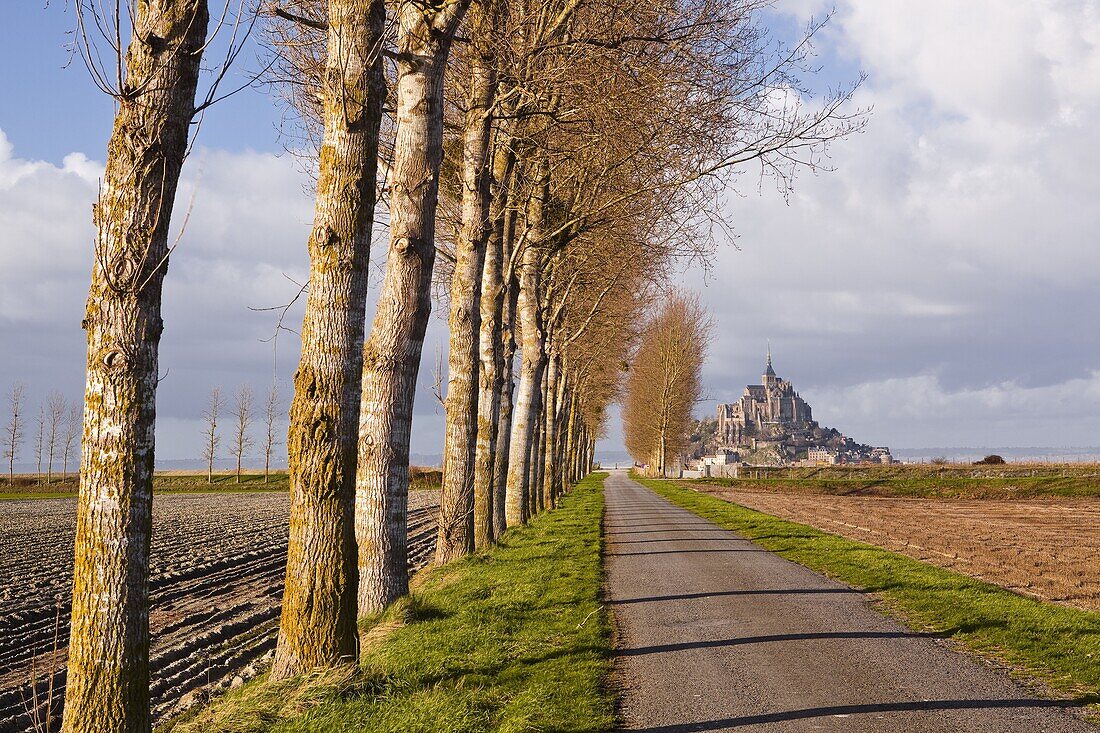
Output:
x=957 y=238
x=907 y=409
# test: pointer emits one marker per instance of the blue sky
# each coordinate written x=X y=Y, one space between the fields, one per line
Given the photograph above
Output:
x=54 y=109
x=939 y=288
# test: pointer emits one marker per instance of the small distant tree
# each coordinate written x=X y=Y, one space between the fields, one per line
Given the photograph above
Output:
x=73 y=425
x=40 y=440
x=242 y=414
x=13 y=437
x=210 y=434
x=271 y=418
x=56 y=409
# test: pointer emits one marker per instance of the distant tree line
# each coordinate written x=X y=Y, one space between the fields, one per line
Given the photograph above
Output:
x=55 y=427
x=242 y=438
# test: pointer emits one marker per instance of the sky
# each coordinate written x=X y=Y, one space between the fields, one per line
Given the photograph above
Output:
x=938 y=287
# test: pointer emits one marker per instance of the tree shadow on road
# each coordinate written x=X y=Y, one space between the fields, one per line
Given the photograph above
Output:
x=714 y=643
x=832 y=710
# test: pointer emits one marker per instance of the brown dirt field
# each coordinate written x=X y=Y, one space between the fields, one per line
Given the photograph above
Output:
x=1044 y=548
x=217 y=567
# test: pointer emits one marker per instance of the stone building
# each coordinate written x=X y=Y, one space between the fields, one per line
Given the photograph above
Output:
x=771 y=424
x=762 y=409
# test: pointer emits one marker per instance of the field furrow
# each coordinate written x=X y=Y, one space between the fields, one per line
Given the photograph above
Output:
x=217 y=566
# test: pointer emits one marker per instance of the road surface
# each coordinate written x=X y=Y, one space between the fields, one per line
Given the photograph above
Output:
x=715 y=633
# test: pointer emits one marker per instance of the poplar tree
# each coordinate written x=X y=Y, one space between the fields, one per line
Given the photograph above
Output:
x=154 y=86
x=317 y=627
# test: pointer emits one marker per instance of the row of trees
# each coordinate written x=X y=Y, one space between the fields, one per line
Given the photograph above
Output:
x=558 y=158
x=242 y=415
x=53 y=431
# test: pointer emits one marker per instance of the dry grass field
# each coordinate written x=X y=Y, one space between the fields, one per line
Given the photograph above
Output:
x=1046 y=547
x=217 y=568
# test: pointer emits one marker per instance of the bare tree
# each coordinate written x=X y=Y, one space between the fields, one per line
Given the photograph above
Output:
x=40 y=442
x=56 y=410
x=391 y=357
x=153 y=80
x=73 y=423
x=456 y=507
x=317 y=626
x=14 y=435
x=242 y=416
x=211 y=439
x=272 y=412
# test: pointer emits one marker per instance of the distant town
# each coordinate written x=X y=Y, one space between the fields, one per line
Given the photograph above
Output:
x=771 y=425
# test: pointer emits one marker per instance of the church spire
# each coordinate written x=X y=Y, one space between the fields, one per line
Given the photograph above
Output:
x=768 y=371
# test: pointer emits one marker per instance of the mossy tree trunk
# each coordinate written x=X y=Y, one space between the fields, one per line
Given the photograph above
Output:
x=108 y=660
x=391 y=359
x=456 y=504
x=318 y=623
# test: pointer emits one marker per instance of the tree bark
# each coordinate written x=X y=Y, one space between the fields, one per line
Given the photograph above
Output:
x=318 y=624
x=108 y=661
x=491 y=354
x=456 y=501
x=550 y=432
x=392 y=355
x=504 y=420
x=524 y=417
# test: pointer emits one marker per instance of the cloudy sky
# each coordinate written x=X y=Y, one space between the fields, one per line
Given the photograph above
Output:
x=938 y=288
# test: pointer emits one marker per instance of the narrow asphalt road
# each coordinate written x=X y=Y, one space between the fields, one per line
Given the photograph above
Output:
x=715 y=634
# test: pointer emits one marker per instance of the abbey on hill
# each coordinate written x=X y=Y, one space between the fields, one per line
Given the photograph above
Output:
x=772 y=425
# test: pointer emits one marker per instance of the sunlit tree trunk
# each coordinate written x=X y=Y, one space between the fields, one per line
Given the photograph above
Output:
x=535 y=455
x=107 y=687
x=525 y=416
x=318 y=624
x=391 y=358
x=550 y=432
x=456 y=504
x=491 y=372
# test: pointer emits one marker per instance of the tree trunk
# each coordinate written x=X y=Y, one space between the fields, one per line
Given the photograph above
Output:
x=318 y=624
x=392 y=355
x=108 y=660
x=504 y=420
x=524 y=417
x=456 y=501
x=491 y=352
x=550 y=432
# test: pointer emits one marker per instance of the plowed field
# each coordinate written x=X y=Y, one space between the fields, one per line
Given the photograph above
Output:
x=1046 y=548
x=217 y=568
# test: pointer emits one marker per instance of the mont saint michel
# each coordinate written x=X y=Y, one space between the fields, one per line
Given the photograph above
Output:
x=772 y=425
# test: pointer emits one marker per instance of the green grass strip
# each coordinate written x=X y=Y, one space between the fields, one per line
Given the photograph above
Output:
x=512 y=639
x=920 y=484
x=1055 y=645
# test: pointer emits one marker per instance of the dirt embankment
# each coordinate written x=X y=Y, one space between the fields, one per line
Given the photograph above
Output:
x=1046 y=548
x=217 y=568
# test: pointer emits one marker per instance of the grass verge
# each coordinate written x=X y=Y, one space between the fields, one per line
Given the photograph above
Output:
x=1056 y=646
x=915 y=482
x=513 y=639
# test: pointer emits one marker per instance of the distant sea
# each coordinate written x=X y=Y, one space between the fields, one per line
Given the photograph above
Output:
x=1024 y=454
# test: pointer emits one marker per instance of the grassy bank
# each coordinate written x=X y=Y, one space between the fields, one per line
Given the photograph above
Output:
x=1015 y=481
x=1055 y=645
x=514 y=639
